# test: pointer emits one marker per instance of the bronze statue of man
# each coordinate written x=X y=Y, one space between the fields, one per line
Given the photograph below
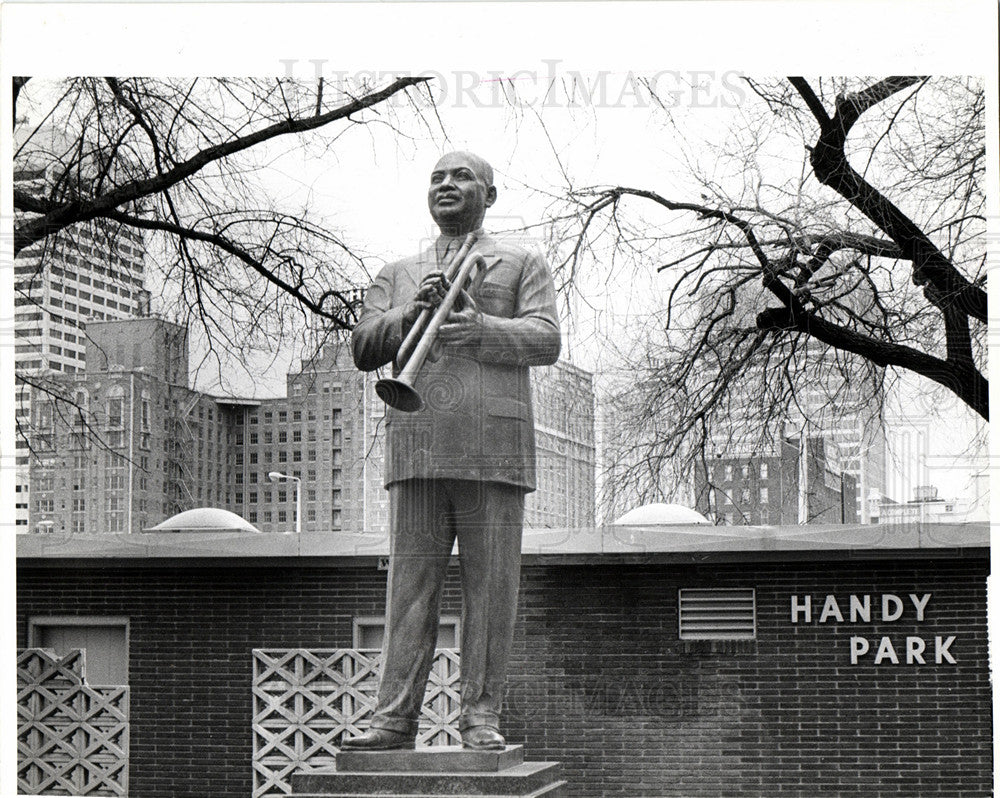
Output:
x=461 y=466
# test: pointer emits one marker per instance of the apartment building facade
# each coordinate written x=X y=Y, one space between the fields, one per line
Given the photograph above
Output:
x=145 y=446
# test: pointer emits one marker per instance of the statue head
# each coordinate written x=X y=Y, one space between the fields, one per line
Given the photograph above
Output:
x=460 y=191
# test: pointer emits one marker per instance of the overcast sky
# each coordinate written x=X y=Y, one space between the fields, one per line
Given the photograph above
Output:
x=600 y=130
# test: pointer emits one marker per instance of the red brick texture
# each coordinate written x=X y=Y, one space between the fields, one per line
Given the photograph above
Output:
x=599 y=679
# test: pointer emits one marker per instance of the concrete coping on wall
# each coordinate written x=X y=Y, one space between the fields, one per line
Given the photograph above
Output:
x=674 y=542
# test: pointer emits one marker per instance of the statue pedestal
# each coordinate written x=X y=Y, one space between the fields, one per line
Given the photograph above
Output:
x=432 y=772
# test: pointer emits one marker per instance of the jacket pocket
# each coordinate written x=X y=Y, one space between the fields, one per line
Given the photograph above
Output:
x=496 y=299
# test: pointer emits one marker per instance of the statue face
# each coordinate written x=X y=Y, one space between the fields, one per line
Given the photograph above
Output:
x=459 y=193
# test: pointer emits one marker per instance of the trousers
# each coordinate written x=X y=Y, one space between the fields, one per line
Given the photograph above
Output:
x=426 y=516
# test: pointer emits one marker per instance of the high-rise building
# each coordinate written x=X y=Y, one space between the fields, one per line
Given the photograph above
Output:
x=844 y=405
x=566 y=458
x=839 y=403
x=341 y=441
x=135 y=445
x=147 y=446
x=907 y=457
x=791 y=482
x=91 y=271
x=321 y=435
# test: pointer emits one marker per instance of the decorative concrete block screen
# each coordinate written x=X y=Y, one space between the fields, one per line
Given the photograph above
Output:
x=72 y=738
x=304 y=701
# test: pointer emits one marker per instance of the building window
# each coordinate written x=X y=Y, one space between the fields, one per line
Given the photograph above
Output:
x=763 y=470
x=722 y=614
x=116 y=407
x=763 y=494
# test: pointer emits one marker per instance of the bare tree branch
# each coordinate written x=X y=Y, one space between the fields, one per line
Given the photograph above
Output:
x=60 y=215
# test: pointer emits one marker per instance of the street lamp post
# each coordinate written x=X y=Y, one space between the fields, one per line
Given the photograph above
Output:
x=277 y=476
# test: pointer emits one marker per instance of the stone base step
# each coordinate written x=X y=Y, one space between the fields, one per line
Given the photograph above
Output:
x=554 y=790
x=523 y=780
x=431 y=759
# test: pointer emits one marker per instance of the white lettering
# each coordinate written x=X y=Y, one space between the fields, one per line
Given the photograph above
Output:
x=318 y=66
x=735 y=88
x=886 y=651
x=861 y=610
x=495 y=80
x=462 y=90
x=859 y=647
x=831 y=608
x=891 y=615
x=920 y=604
x=549 y=100
x=631 y=89
x=699 y=86
x=941 y=650
x=595 y=94
x=674 y=95
x=805 y=608
x=915 y=650
x=515 y=82
x=289 y=65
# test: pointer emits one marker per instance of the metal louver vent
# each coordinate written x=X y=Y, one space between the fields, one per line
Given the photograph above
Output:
x=717 y=614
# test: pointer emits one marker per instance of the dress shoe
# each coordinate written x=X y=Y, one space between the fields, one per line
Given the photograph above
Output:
x=379 y=740
x=483 y=738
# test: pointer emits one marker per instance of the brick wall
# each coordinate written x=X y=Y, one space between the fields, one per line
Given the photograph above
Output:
x=599 y=679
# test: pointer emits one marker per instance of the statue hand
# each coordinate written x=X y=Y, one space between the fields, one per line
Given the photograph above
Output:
x=464 y=325
x=432 y=289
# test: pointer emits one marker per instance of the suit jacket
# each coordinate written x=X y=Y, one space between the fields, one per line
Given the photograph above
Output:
x=478 y=422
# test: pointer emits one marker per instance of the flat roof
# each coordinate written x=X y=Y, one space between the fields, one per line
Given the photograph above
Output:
x=680 y=543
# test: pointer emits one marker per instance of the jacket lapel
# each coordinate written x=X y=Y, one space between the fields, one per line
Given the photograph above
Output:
x=477 y=281
x=410 y=276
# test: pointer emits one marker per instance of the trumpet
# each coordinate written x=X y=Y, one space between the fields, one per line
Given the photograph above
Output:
x=398 y=391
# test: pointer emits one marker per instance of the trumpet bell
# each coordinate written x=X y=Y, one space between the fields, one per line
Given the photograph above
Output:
x=399 y=394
